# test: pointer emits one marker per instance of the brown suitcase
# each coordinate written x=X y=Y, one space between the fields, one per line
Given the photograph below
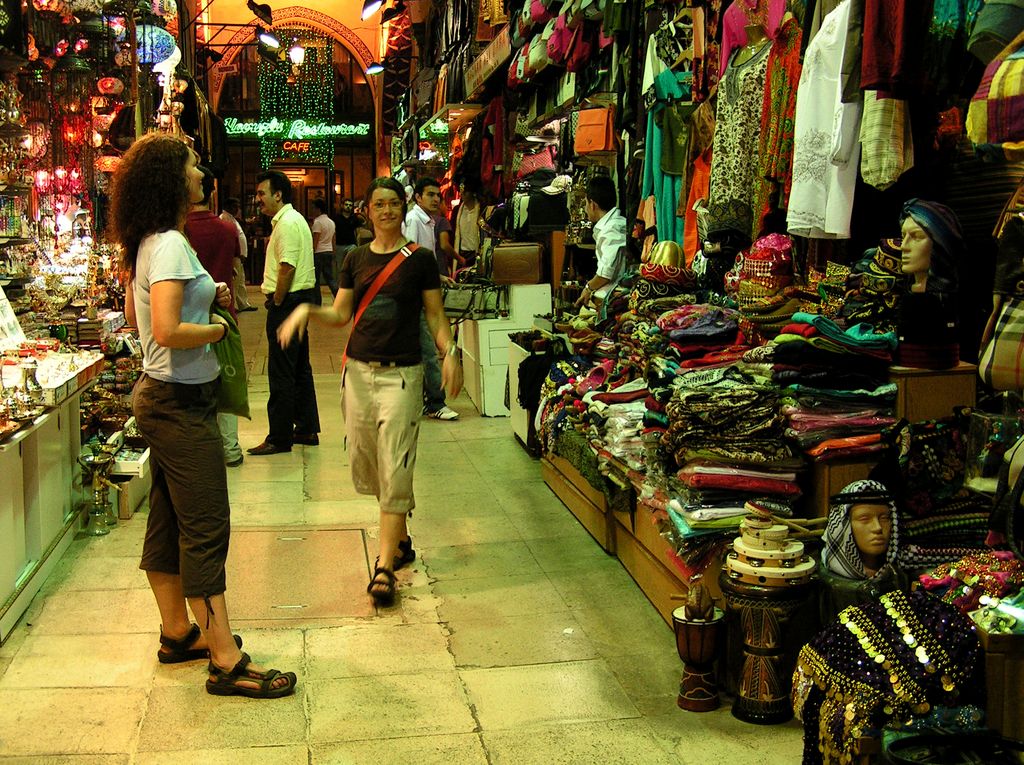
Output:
x=517 y=263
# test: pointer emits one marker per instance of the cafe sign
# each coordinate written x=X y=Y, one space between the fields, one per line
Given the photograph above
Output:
x=295 y=130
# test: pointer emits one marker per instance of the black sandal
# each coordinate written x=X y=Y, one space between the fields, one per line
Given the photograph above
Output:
x=226 y=682
x=182 y=650
x=406 y=555
x=386 y=596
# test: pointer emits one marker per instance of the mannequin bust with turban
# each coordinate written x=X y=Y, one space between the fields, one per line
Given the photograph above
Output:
x=931 y=249
x=858 y=561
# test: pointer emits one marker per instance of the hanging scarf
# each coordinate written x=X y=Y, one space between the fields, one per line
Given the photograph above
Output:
x=841 y=555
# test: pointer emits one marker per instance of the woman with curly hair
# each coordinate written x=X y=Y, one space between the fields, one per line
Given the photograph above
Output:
x=169 y=298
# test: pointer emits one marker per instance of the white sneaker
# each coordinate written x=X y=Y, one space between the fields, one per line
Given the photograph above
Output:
x=444 y=413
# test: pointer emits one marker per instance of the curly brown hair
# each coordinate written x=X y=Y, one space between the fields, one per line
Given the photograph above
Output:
x=150 y=193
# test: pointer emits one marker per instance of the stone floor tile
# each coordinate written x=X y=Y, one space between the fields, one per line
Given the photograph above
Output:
x=513 y=698
x=183 y=718
x=444 y=459
x=92 y=612
x=249 y=755
x=484 y=560
x=616 y=742
x=263 y=492
x=455 y=499
x=651 y=679
x=627 y=627
x=369 y=648
x=526 y=495
x=497 y=597
x=264 y=470
x=83 y=661
x=96 y=572
x=594 y=589
x=556 y=555
x=718 y=738
x=266 y=514
x=514 y=640
x=462 y=748
x=329 y=487
x=360 y=512
x=70 y=720
x=388 y=706
x=466 y=530
x=551 y=523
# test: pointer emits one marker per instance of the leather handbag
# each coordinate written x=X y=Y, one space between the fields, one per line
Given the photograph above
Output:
x=517 y=263
x=1002 y=362
x=595 y=131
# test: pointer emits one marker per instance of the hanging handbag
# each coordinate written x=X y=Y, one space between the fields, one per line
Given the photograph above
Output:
x=233 y=392
x=996 y=113
x=1002 y=362
x=374 y=288
x=595 y=131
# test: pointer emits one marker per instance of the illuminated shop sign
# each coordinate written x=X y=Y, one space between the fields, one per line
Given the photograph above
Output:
x=295 y=130
x=298 y=147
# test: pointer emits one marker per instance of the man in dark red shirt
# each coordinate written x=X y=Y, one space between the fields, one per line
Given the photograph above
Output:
x=216 y=243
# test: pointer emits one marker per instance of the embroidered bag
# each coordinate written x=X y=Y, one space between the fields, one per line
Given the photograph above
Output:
x=1002 y=362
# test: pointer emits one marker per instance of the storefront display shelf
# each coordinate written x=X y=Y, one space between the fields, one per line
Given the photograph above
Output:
x=585 y=502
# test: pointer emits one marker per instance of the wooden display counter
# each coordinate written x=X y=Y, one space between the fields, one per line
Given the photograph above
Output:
x=1004 y=678
x=584 y=501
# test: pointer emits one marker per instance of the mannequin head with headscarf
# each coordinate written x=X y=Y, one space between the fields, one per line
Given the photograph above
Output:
x=861 y=536
x=932 y=246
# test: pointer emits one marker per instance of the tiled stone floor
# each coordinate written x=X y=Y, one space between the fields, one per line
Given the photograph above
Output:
x=515 y=640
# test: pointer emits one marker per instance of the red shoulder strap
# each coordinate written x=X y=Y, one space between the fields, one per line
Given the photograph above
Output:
x=371 y=293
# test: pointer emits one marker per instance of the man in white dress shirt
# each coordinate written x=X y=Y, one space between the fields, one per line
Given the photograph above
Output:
x=610 y=240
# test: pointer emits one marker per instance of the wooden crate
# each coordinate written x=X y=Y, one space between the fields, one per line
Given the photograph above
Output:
x=584 y=501
x=931 y=394
x=1004 y=679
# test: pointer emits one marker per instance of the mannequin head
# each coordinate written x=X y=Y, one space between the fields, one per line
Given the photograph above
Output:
x=932 y=245
x=861 y=535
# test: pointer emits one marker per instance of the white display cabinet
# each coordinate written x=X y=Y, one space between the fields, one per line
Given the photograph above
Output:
x=485 y=345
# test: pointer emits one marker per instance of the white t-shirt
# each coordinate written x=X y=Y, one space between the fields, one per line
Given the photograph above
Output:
x=323 y=234
x=167 y=256
x=243 y=245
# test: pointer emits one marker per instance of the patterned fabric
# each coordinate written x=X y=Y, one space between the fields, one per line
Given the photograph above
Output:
x=734 y=161
x=824 y=177
x=887 y=145
x=840 y=553
x=778 y=117
x=996 y=113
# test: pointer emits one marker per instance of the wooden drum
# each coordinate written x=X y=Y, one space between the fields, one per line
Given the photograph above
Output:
x=697 y=642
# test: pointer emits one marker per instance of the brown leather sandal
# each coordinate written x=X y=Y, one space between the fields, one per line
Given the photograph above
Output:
x=232 y=682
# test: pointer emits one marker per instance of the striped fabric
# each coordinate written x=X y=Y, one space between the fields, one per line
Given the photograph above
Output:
x=1001 y=364
x=996 y=113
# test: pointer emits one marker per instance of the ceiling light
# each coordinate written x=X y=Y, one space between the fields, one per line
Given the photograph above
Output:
x=262 y=11
x=297 y=55
x=370 y=7
x=267 y=38
x=267 y=53
x=375 y=67
x=392 y=13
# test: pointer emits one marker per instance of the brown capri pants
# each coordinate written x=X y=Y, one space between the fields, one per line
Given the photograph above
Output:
x=189 y=516
x=382 y=408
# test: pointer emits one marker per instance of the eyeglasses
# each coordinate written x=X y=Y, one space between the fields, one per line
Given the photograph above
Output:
x=391 y=204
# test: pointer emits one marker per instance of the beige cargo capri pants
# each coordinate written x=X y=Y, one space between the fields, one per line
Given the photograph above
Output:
x=382 y=406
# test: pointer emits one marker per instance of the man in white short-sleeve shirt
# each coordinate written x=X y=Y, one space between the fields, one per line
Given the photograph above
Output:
x=288 y=281
x=609 y=238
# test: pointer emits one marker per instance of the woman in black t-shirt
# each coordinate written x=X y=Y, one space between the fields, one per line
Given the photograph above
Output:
x=382 y=381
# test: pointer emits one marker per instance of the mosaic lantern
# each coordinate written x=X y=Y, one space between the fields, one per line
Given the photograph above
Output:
x=156 y=44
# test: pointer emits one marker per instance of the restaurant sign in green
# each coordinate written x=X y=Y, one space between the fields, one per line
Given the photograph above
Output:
x=295 y=129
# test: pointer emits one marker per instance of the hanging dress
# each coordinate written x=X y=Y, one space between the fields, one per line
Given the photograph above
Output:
x=826 y=146
x=735 y=160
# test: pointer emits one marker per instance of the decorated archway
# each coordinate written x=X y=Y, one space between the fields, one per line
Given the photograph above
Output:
x=300 y=16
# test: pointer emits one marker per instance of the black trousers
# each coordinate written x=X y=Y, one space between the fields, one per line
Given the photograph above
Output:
x=292 y=405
